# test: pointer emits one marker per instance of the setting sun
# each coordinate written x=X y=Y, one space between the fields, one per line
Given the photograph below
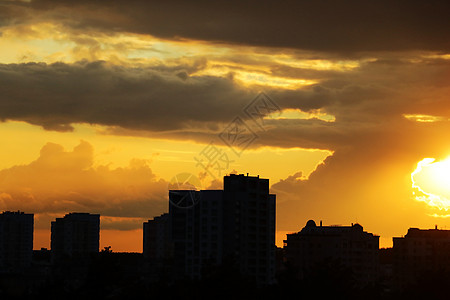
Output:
x=431 y=182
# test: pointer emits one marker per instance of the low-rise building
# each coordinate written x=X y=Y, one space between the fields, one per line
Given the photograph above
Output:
x=349 y=246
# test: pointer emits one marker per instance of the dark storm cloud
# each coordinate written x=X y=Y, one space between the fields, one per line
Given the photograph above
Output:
x=13 y=12
x=323 y=25
x=56 y=95
x=368 y=102
x=153 y=102
x=158 y=102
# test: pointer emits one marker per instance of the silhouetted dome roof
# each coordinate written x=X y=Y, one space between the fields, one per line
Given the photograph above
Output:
x=311 y=223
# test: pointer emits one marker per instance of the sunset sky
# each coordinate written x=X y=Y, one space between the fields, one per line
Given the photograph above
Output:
x=104 y=103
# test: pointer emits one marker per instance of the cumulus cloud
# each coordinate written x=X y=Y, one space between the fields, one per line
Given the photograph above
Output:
x=61 y=181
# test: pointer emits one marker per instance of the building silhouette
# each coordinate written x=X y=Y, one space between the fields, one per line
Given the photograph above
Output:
x=157 y=247
x=75 y=234
x=156 y=243
x=347 y=247
x=419 y=252
x=16 y=241
x=196 y=230
x=212 y=228
x=249 y=226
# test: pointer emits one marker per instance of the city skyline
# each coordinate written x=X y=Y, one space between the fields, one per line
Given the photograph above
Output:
x=343 y=106
x=224 y=239
x=83 y=216
x=136 y=239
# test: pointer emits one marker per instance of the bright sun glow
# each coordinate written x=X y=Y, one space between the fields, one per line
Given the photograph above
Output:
x=431 y=183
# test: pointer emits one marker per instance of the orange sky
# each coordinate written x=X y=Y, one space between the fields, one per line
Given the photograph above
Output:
x=101 y=107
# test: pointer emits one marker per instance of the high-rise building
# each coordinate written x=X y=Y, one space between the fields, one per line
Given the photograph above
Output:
x=16 y=241
x=156 y=243
x=234 y=225
x=197 y=230
x=249 y=226
x=157 y=248
x=347 y=246
x=75 y=234
x=420 y=251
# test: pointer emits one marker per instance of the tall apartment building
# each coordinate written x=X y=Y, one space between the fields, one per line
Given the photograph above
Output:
x=236 y=224
x=156 y=243
x=75 y=234
x=349 y=246
x=196 y=230
x=157 y=247
x=16 y=241
x=419 y=252
x=249 y=226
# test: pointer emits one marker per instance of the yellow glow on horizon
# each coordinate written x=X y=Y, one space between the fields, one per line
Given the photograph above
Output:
x=168 y=157
x=431 y=183
x=121 y=240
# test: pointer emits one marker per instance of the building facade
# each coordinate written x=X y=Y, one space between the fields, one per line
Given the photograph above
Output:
x=197 y=230
x=235 y=225
x=249 y=226
x=16 y=241
x=156 y=243
x=75 y=234
x=420 y=251
x=348 y=246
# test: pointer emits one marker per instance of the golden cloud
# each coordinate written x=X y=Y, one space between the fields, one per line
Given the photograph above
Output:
x=61 y=181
